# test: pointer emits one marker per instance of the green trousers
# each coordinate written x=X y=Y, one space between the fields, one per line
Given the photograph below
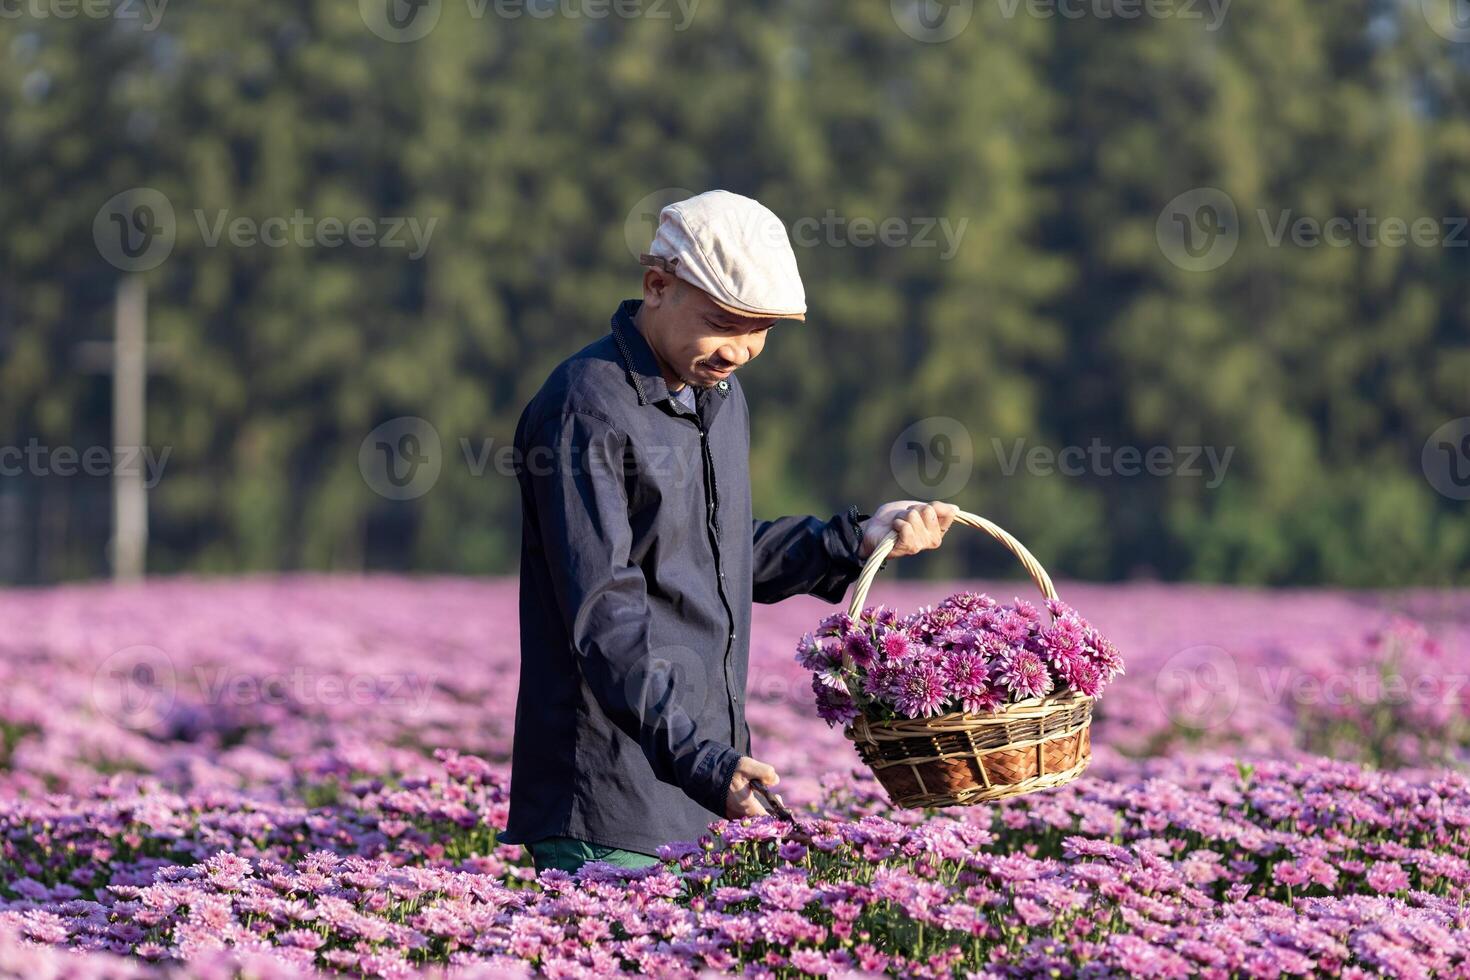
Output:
x=569 y=854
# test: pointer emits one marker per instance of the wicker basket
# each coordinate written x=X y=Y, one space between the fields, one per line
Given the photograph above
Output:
x=964 y=758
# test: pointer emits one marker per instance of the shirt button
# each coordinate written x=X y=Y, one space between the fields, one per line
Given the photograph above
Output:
x=732 y=634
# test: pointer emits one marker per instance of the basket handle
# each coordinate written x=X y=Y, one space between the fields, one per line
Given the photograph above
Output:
x=1032 y=566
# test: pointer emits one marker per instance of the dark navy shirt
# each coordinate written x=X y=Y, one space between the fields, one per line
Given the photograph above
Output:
x=640 y=558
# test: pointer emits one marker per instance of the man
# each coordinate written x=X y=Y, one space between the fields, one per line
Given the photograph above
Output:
x=640 y=557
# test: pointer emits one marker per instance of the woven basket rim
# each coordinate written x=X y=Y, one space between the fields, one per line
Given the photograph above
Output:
x=1050 y=703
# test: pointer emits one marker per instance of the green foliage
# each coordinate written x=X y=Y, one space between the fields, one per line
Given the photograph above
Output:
x=1050 y=144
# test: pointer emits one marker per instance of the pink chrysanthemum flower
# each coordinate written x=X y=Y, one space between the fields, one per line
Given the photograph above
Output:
x=831 y=677
x=1065 y=637
x=967 y=601
x=1081 y=675
x=834 y=706
x=959 y=638
x=982 y=699
x=1012 y=627
x=860 y=649
x=965 y=669
x=1024 y=674
x=920 y=690
x=879 y=683
x=835 y=624
x=880 y=615
x=1100 y=650
x=1387 y=877
x=809 y=654
x=895 y=645
x=1026 y=610
x=929 y=623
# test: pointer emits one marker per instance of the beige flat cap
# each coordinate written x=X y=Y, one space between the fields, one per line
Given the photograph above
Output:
x=735 y=249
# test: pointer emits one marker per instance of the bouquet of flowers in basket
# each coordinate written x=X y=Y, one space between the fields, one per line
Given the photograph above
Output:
x=968 y=653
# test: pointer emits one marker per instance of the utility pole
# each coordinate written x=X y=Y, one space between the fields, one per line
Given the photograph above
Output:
x=126 y=358
x=129 y=419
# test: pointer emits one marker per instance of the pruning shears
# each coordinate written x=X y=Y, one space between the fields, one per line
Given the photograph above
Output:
x=774 y=803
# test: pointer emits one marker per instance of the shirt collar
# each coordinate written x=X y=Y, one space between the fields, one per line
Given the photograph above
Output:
x=638 y=358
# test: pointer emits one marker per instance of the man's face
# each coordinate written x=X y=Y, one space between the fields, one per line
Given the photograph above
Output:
x=699 y=341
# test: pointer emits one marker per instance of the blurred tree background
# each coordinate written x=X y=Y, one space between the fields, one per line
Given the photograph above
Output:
x=1050 y=144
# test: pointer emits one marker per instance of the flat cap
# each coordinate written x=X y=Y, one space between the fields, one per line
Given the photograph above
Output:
x=735 y=249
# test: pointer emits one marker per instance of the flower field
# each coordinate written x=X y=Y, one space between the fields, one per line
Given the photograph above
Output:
x=293 y=776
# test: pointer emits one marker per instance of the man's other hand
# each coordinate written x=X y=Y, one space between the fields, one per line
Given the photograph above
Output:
x=920 y=526
x=741 y=799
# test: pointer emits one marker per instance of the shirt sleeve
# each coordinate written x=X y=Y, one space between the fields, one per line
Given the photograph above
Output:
x=807 y=556
x=582 y=507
